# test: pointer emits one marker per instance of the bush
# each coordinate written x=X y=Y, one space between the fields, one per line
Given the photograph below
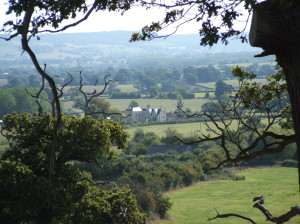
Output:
x=131 y=95
x=289 y=163
x=163 y=205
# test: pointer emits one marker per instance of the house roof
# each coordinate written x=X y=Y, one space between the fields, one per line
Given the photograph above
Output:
x=136 y=109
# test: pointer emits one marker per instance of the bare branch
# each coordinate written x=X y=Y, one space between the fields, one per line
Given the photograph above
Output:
x=259 y=205
x=88 y=97
x=224 y=216
x=73 y=24
x=280 y=219
x=60 y=90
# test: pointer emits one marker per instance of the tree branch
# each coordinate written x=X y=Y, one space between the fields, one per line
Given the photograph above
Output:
x=259 y=205
x=225 y=216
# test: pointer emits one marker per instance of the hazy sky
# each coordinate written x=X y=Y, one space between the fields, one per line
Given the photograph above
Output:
x=132 y=20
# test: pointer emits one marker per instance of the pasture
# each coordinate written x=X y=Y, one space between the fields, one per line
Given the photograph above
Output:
x=233 y=82
x=168 y=104
x=192 y=129
x=3 y=82
x=195 y=204
x=91 y=88
x=186 y=129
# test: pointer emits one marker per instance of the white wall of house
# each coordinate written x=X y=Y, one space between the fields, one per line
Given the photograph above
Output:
x=137 y=114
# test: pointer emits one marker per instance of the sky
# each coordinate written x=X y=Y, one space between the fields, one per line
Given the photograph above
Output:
x=132 y=20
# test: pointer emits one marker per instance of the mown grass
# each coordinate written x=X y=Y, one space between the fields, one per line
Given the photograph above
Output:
x=196 y=204
x=90 y=88
x=186 y=129
x=127 y=88
x=3 y=82
x=167 y=104
x=234 y=83
x=190 y=129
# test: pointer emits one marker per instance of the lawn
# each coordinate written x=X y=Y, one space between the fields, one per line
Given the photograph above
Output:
x=167 y=104
x=187 y=129
x=90 y=88
x=3 y=82
x=196 y=204
x=233 y=82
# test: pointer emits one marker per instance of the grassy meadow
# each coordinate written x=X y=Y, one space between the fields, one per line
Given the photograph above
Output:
x=90 y=88
x=234 y=83
x=168 y=104
x=195 y=204
x=186 y=129
x=3 y=82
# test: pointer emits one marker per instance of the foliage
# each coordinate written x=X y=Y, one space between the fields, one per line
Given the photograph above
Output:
x=18 y=100
x=211 y=30
x=100 y=107
x=222 y=88
x=170 y=136
x=141 y=142
x=26 y=194
x=243 y=123
x=133 y=103
x=131 y=95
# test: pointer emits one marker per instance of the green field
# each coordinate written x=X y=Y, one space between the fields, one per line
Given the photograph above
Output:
x=167 y=104
x=234 y=83
x=196 y=204
x=90 y=88
x=3 y=82
x=187 y=129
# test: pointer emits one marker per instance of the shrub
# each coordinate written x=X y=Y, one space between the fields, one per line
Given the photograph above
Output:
x=289 y=163
x=131 y=95
x=163 y=205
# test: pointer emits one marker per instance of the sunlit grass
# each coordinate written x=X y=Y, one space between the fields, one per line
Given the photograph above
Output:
x=196 y=204
x=167 y=104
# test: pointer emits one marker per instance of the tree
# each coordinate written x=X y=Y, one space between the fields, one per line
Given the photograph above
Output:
x=99 y=105
x=123 y=76
x=15 y=81
x=133 y=103
x=18 y=99
x=154 y=91
x=222 y=88
x=33 y=81
x=208 y=74
x=25 y=193
x=247 y=109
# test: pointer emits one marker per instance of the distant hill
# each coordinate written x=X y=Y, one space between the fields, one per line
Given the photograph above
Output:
x=113 y=48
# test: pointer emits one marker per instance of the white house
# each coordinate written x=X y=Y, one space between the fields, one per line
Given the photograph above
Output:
x=137 y=114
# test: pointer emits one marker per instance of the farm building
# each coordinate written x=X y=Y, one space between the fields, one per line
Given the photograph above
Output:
x=137 y=114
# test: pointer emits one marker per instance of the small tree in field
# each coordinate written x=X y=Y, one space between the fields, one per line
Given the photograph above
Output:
x=222 y=88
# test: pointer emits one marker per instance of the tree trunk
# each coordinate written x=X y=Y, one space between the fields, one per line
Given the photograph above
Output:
x=277 y=31
x=291 y=68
